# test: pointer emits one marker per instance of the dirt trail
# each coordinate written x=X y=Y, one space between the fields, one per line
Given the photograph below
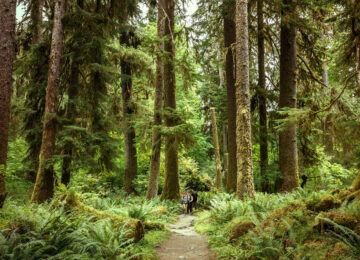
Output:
x=184 y=242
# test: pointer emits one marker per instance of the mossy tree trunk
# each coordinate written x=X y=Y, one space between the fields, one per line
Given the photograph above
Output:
x=355 y=186
x=128 y=39
x=216 y=149
x=230 y=38
x=36 y=19
x=245 y=181
x=153 y=185
x=358 y=61
x=225 y=151
x=287 y=138
x=44 y=185
x=7 y=52
x=262 y=98
x=171 y=189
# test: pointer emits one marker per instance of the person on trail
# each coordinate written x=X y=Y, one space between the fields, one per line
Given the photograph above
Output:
x=195 y=199
x=185 y=201
x=190 y=202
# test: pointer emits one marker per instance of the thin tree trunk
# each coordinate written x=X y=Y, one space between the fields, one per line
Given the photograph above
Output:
x=287 y=139
x=36 y=19
x=245 y=181
x=226 y=152
x=358 y=62
x=230 y=38
x=171 y=189
x=44 y=185
x=216 y=149
x=70 y=114
x=262 y=99
x=128 y=111
x=153 y=185
x=7 y=52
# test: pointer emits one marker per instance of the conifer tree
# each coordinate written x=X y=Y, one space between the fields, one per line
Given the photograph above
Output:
x=262 y=97
x=44 y=185
x=245 y=182
x=171 y=189
x=128 y=39
x=7 y=52
x=288 y=161
x=229 y=39
x=153 y=184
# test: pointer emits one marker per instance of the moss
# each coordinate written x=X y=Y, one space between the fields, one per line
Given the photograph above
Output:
x=326 y=203
x=134 y=226
x=357 y=229
x=355 y=186
x=284 y=213
x=343 y=194
x=153 y=226
x=237 y=228
x=340 y=218
x=160 y=210
x=339 y=251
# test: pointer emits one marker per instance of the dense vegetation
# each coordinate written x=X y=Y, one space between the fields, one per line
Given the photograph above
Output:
x=110 y=109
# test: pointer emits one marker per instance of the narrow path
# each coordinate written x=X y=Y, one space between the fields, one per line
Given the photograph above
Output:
x=184 y=242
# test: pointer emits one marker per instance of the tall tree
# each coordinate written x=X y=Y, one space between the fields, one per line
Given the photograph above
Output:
x=7 y=52
x=230 y=38
x=171 y=189
x=262 y=97
x=44 y=185
x=128 y=39
x=36 y=19
x=288 y=160
x=225 y=151
x=153 y=184
x=217 y=149
x=245 y=181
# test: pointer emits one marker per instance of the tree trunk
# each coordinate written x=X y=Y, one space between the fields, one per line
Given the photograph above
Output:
x=70 y=115
x=262 y=99
x=226 y=152
x=171 y=189
x=128 y=111
x=287 y=139
x=245 y=181
x=44 y=185
x=230 y=38
x=153 y=185
x=216 y=149
x=36 y=19
x=358 y=62
x=7 y=52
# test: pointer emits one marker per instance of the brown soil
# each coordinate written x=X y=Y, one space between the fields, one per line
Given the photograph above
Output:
x=185 y=243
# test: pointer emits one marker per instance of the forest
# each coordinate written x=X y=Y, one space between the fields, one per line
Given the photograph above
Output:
x=111 y=110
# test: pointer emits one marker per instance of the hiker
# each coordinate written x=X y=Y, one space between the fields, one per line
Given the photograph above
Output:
x=185 y=201
x=190 y=202
x=195 y=199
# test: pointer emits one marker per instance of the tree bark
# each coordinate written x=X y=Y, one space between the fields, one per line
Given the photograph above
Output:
x=7 y=52
x=70 y=115
x=358 y=62
x=245 y=181
x=262 y=98
x=128 y=111
x=36 y=19
x=171 y=189
x=153 y=185
x=225 y=151
x=216 y=149
x=44 y=185
x=287 y=139
x=230 y=38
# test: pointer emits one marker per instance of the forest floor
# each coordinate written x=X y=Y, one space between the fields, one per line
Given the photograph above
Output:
x=185 y=242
